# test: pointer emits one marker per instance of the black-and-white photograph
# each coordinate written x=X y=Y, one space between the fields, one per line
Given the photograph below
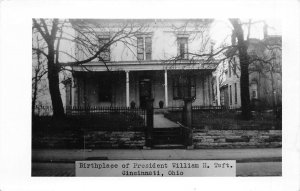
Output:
x=156 y=90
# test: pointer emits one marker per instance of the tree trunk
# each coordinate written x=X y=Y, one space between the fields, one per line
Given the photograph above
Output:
x=53 y=78
x=34 y=94
x=273 y=93
x=244 y=64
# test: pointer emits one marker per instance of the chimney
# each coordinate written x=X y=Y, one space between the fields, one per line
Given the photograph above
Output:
x=233 y=38
x=265 y=30
x=212 y=44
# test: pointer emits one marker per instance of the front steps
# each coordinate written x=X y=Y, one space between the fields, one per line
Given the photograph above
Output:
x=167 y=138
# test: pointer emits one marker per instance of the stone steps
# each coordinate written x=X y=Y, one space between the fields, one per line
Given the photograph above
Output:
x=167 y=138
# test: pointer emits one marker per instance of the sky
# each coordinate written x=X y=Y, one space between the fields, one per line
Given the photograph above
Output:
x=222 y=29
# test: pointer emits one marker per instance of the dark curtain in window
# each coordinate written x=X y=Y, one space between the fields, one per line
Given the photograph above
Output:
x=148 y=45
x=140 y=48
x=183 y=47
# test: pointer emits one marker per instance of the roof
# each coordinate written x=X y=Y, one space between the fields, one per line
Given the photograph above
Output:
x=273 y=40
x=270 y=40
x=157 y=22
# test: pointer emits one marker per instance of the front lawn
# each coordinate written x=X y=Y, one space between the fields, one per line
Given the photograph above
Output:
x=72 y=132
x=228 y=120
x=101 y=122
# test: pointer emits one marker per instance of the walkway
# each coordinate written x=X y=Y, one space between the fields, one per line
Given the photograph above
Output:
x=161 y=122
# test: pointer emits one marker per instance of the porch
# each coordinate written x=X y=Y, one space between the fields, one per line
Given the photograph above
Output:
x=132 y=88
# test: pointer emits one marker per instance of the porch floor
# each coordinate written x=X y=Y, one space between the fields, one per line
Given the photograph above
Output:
x=161 y=122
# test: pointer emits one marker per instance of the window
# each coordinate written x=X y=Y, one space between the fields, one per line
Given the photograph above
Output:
x=144 y=48
x=184 y=87
x=105 y=90
x=148 y=46
x=212 y=88
x=70 y=94
x=140 y=48
x=254 y=90
x=235 y=93
x=230 y=93
x=105 y=53
x=234 y=65
x=182 y=47
x=229 y=69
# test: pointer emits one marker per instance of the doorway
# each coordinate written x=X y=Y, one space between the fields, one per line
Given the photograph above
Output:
x=145 y=91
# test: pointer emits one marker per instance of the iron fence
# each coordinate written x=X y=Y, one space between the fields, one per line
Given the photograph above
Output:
x=220 y=117
x=43 y=110
x=131 y=117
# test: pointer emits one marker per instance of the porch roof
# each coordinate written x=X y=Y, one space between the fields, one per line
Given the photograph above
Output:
x=147 y=65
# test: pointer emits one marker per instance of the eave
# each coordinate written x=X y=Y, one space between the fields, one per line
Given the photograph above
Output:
x=147 y=65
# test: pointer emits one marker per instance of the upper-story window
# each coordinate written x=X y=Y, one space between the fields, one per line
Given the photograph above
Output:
x=182 y=43
x=144 y=48
x=105 y=53
x=229 y=69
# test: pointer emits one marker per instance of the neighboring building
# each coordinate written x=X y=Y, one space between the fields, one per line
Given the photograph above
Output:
x=157 y=66
x=230 y=83
x=265 y=74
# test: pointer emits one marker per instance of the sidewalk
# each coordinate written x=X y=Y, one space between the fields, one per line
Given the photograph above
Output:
x=241 y=155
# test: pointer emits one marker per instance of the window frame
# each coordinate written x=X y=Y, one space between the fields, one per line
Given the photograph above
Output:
x=230 y=94
x=254 y=88
x=182 y=85
x=140 y=50
x=184 y=55
x=229 y=69
x=235 y=93
x=144 y=49
x=106 y=51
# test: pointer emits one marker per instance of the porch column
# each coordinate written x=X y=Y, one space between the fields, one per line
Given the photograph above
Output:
x=166 y=88
x=127 y=88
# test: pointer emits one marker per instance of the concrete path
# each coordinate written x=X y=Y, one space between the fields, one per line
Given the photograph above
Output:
x=161 y=122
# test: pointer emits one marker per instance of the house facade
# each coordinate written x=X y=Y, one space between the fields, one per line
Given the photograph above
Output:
x=158 y=63
x=265 y=74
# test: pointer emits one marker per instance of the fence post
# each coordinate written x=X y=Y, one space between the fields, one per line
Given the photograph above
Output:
x=187 y=112
x=149 y=121
x=187 y=120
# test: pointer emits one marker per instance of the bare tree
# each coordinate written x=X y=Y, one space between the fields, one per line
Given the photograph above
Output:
x=238 y=48
x=39 y=72
x=242 y=47
x=86 y=36
x=267 y=63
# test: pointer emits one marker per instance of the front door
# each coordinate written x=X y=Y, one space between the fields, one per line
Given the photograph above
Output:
x=145 y=92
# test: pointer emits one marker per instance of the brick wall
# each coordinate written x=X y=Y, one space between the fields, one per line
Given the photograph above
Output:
x=136 y=140
x=115 y=140
x=237 y=139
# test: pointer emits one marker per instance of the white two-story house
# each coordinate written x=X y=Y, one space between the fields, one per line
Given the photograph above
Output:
x=160 y=62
